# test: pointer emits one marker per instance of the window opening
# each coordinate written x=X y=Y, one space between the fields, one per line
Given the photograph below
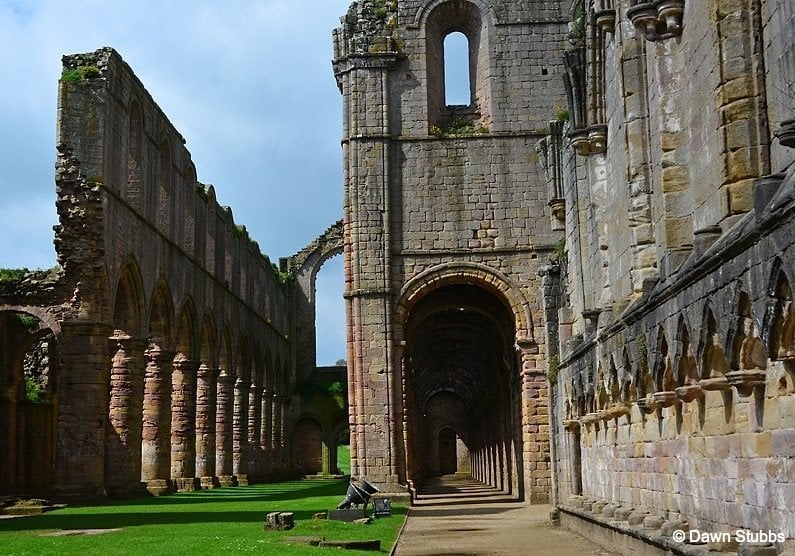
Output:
x=457 y=89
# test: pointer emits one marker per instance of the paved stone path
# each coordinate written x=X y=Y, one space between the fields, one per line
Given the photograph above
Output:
x=454 y=516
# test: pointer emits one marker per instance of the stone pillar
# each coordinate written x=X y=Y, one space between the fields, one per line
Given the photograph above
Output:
x=266 y=435
x=183 y=423
x=275 y=423
x=374 y=371
x=240 y=431
x=223 y=429
x=254 y=428
x=9 y=459
x=205 y=425
x=327 y=450
x=83 y=411
x=125 y=419
x=535 y=427
x=156 y=437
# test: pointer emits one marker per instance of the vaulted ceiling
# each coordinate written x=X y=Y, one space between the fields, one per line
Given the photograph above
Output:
x=460 y=340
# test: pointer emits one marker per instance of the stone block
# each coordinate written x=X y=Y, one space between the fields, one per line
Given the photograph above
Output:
x=349 y=515
x=279 y=521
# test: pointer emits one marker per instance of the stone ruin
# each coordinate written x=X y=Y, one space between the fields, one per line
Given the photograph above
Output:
x=576 y=288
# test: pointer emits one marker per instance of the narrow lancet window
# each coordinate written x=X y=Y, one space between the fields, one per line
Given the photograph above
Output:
x=456 y=70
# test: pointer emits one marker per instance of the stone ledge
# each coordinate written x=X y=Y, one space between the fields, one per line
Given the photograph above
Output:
x=623 y=538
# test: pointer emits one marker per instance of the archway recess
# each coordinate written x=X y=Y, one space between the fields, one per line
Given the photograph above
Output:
x=461 y=374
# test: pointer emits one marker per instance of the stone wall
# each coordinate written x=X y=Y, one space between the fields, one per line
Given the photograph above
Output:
x=441 y=203
x=674 y=390
x=173 y=329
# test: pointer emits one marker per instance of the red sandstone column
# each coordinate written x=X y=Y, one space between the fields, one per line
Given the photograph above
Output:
x=183 y=423
x=223 y=429
x=125 y=407
x=254 y=421
x=240 y=431
x=205 y=425
x=156 y=445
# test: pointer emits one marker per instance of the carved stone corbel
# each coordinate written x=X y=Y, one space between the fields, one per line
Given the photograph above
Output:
x=658 y=20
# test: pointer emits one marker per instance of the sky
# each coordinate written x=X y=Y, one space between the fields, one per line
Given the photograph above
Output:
x=249 y=85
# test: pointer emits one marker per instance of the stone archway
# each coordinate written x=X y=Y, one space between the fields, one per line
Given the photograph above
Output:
x=28 y=403
x=305 y=265
x=461 y=374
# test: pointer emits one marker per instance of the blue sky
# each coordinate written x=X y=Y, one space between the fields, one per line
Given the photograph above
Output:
x=248 y=84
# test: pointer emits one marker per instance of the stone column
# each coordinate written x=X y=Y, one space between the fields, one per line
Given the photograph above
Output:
x=205 y=425
x=125 y=419
x=223 y=429
x=8 y=432
x=183 y=423
x=156 y=437
x=240 y=431
x=283 y=431
x=266 y=431
x=254 y=428
x=276 y=409
x=535 y=427
x=83 y=411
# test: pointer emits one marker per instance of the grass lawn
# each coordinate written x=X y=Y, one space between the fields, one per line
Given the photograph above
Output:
x=217 y=521
x=344 y=459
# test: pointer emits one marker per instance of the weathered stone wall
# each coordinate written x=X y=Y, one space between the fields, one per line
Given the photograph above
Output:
x=443 y=199
x=674 y=390
x=173 y=329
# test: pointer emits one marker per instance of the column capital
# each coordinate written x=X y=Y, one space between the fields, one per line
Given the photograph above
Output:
x=157 y=354
x=182 y=363
x=208 y=373
x=122 y=340
x=268 y=394
x=225 y=377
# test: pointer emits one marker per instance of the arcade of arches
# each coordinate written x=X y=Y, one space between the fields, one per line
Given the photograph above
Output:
x=462 y=412
x=594 y=311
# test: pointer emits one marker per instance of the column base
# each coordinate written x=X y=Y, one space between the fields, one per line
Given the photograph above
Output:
x=187 y=484
x=158 y=487
x=227 y=480
x=209 y=482
x=242 y=480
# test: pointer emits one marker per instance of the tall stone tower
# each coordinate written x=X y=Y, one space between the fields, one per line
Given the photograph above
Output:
x=447 y=225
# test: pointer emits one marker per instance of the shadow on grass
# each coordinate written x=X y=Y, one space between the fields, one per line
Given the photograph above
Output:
x=264 y=492
x=121 y=520
x=241 y=505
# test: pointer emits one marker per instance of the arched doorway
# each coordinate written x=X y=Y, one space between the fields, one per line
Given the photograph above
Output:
x=448 y=460
x=463 y=410
x=28 y=404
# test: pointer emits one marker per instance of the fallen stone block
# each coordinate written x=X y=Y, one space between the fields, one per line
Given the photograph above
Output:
x=348 y=515
x=352 y=545
x=279 y=521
